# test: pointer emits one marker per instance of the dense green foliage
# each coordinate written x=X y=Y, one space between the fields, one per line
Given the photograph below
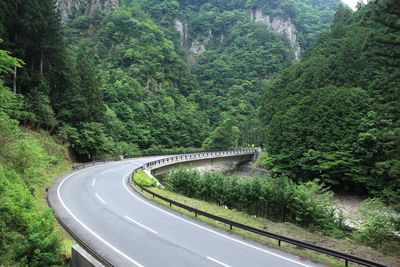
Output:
x=125 y=81
x=335 y=115
x=240 y=53
x=377 y=225
x=278 y=198
x=27 y=235
x=220 y=17
x=122 y=89
x=225 y=136
x=119 y=83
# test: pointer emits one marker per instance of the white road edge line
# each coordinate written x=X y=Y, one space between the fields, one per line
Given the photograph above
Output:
x=100 y=198
x=220 y=263
x=145 y=227
x=204 y=228
x=88 y=229
x=94 y=181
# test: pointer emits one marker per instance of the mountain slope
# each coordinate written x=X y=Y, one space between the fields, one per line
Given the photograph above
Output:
x=333 y=116
x=234 y=46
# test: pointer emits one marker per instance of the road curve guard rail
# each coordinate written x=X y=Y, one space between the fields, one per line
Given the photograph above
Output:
x=189 y=153
x=347 y=257
x=198 y=156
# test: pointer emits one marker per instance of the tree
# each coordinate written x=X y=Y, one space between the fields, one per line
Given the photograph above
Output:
x=7 y=62
x=92 y=140
x=335 y=115
x=225 y=136
x=89 y=85
x=383 y=45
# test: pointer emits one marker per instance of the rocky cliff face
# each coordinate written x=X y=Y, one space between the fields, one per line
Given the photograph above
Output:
x=197 y=46
x=281 y=25
x=67 y=7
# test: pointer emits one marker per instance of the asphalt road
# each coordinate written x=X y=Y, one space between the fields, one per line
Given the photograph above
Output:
x=97 y=204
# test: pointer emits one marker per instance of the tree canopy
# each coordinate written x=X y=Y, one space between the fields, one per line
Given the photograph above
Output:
x=333 y=115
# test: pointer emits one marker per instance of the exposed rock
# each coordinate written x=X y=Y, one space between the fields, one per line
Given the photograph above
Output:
x=182 y=29
x=67 y=6
x=281 y=25
x=198 y=45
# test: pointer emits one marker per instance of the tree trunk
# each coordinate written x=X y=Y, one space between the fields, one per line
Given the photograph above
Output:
x=148 y=83
x=15 y=80
x=41 y=64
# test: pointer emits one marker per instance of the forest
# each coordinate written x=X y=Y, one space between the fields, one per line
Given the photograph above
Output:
x=90 y=82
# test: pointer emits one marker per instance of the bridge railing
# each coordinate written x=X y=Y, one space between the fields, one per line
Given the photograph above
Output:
x=198 y=156
x=346 y=257
x=191 y=153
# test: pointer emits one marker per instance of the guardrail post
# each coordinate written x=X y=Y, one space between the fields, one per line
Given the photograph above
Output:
x=327 y=251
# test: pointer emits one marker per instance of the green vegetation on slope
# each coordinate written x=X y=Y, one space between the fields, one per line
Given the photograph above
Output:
x=335 y=115
x=143 y=179
x=28 y=163
x=240 y=53
x=118 y=83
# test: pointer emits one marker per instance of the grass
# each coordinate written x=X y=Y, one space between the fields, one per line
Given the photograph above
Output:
x=144 y=180
x=285 y=229
x=51 y=174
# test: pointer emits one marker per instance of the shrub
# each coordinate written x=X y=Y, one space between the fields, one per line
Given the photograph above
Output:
x=277 y=198
x=377 y=224
x=184 y=181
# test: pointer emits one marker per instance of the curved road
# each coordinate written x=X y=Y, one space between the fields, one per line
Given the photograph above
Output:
x=97 y=204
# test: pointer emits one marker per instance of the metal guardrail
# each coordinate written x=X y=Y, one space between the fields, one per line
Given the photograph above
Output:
x=198 y=156
x=131 y=156
x=347 y=257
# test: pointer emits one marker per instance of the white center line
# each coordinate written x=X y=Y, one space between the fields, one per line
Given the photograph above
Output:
x=94 y=181
x=100 y=198
x=209 y=230
x=145 y=227
x=87 y=228
x=220 y=263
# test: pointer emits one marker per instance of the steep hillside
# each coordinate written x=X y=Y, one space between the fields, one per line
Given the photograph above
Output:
x=29 y=162
x=230 y=47
x=149 y=93
x=71 y=9
x=335 y=115
x=234 y=46
x=119 y=76
x=204 y=25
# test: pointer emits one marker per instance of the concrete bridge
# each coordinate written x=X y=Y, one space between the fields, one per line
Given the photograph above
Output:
x=230 y=159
